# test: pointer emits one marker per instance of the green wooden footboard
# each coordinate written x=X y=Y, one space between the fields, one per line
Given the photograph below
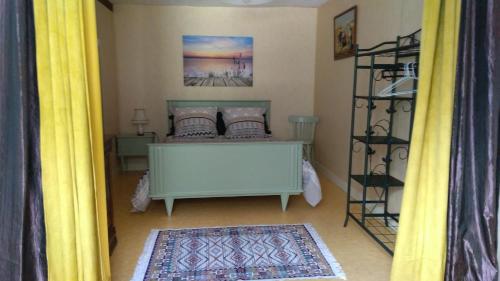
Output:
x=197 y=170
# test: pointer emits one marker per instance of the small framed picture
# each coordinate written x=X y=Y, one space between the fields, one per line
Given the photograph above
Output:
x=344 y=34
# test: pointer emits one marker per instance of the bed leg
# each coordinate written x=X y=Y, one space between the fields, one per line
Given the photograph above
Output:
x=284 y=201
x=169 y=204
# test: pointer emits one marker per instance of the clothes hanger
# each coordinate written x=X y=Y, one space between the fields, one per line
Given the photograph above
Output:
x=409 y=74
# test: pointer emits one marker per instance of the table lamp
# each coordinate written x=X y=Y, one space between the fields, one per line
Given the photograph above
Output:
x=140 y=120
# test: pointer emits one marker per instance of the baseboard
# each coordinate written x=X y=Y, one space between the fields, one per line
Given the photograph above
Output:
x=338 y=181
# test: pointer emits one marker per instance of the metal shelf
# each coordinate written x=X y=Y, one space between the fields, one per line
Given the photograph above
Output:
x=377 y=176
x=380 y=140
x=384 y=98
x=392 y=51
x=377 y=180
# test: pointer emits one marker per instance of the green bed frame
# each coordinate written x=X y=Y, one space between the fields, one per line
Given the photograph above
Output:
x=200 y=170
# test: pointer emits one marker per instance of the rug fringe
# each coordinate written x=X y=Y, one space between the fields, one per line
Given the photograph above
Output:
x=296 y=278
x=334 y=264
x=142 y=264
x=225 y=226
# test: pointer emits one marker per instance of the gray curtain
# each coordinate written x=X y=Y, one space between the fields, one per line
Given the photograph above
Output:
x=474 y=166
x=22 y=228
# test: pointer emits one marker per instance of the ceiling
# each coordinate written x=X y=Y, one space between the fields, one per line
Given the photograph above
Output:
x=228 y=3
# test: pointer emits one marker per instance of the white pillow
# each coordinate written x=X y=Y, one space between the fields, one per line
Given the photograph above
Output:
x=244 y=122
x=195 y=122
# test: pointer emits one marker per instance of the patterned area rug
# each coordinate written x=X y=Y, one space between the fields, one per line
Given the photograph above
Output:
x=268 y=252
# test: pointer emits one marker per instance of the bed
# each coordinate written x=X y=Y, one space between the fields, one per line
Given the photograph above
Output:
x=221 y=167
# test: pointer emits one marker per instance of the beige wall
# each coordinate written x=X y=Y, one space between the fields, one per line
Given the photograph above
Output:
x=150 y=69
x=378 y=21
x=107 y=60
x=293 y=62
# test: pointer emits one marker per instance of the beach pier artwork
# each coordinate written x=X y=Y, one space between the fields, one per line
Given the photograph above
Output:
x=218 y=61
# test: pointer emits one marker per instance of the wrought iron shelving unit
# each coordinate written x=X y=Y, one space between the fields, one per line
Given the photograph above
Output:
x=380 y=225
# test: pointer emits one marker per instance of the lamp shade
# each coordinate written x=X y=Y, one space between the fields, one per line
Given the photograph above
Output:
x=140 y=116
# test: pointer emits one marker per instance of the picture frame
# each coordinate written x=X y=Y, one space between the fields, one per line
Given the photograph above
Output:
x=344 y=33
x=217 y=61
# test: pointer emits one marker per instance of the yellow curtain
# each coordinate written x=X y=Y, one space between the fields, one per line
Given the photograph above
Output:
x=420 y=252
x=71 y=140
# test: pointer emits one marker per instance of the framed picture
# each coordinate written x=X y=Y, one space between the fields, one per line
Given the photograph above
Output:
x=344 y=33
x=218 y=61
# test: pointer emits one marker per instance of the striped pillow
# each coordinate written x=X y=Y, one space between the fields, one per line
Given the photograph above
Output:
x=244 y=122
x=195 y=122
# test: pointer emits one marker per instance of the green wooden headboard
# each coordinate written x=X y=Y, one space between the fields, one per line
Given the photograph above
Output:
x=219 y=104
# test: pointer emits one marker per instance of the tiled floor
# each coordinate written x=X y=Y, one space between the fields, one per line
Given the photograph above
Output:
x=361 y=257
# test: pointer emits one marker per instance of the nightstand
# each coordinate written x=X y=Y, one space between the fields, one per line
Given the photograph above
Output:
x=132 y=145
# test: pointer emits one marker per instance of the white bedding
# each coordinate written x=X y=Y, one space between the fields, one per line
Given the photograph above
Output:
x=310 y=184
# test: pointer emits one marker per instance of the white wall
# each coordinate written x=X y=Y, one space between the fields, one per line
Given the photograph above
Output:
x=107 y=63
x=150 y=65
x=378 y=21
